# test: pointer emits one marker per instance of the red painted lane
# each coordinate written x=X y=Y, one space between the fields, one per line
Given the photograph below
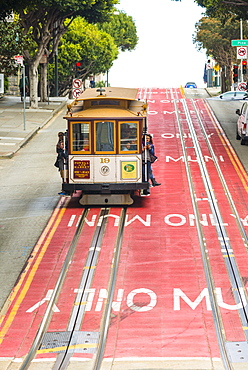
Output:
x=173 y=253
x=25 y=314
x=67 y=300
x=163 y=263
x=214 y=248
x=156 y=312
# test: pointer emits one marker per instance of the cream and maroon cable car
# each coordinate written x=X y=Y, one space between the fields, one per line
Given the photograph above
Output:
x=105 y=128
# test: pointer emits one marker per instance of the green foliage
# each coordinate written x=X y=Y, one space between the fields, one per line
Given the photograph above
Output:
x=223 y=9
x=9 y=6
x=12 y=42
x=122 y=28
x=100 y=84
x=84 y=42
x=215 y=36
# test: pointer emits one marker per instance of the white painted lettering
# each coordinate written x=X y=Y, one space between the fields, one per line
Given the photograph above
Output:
x=92 y=222
x=89 y=300
x=182 y=220
x=204 y=220
x=117 y=218
x=178 y=293
x=46 y=299
x=168 y=158
x=168 y=136
x=230 y=307
x=145 y=223
x=150 y=306
x=103 y=294
x=214 y=223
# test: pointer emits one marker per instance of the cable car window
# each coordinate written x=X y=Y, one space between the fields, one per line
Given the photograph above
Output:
x=80 y=137
x=104 y=131
x=128 y=136
x=105 y=102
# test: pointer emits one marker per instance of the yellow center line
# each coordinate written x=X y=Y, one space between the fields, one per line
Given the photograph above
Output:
x=64 y=348
x=182 y=92
x=14 y=310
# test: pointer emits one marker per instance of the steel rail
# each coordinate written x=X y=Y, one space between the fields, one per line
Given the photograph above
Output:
x=232 y=268
x=48 y=314
x=223 y=181
x=200 y=233
x=111 y=287
x=78 y=311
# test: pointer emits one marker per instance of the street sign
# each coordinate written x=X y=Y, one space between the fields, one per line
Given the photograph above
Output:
x=77 y=83
x=19 y=59
x=239 y=42
x=76 y=93
x=242 y=86
x=242 y=52
x=77 y=87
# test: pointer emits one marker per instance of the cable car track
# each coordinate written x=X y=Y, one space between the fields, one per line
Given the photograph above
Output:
x=184 y=111
x=78 y=310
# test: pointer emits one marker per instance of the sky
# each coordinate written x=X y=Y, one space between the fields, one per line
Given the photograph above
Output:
x=165 y=55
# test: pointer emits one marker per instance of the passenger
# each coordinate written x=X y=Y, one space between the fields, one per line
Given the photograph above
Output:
x=127 y=147
x=133 y=145
x=60 y=136
x=62 y=164
x=148 y=156
x=63 y=137
x=21 y=87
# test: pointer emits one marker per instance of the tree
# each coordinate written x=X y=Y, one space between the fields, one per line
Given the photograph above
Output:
x=45 y=22
x=12 y=42
x=223 y=9
x=215 y=36
x=84 y=43
x=122 y=28
x=9 y=6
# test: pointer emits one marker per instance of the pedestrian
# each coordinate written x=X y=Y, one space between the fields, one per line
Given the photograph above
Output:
x=21 y=87
x=148 y=157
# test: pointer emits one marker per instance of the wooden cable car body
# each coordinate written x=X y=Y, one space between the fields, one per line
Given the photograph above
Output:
x=104 y=129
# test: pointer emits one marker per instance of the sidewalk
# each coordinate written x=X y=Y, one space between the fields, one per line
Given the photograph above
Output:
x=213 y=91
x=17 y=126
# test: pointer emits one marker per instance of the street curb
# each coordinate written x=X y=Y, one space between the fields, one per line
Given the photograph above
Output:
x=34 y=132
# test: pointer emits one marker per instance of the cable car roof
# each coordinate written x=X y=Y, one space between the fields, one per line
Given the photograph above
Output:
x=107 y=102
x=108 y=92
x=106 y=113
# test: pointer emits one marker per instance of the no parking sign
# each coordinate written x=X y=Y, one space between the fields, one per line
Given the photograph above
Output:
x=242 y=52
x=77 y=87
x=76 y=92
x=242 y=86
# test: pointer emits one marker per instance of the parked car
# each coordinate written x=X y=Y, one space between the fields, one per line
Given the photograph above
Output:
x=242 y=124
x=233 y=95
x=190 y=85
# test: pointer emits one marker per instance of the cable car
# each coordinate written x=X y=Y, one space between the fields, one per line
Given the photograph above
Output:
x=104 y=133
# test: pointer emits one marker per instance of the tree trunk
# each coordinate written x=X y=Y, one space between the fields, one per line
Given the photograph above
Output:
x=33 y=88
x=43 y=82
x=229 y=78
